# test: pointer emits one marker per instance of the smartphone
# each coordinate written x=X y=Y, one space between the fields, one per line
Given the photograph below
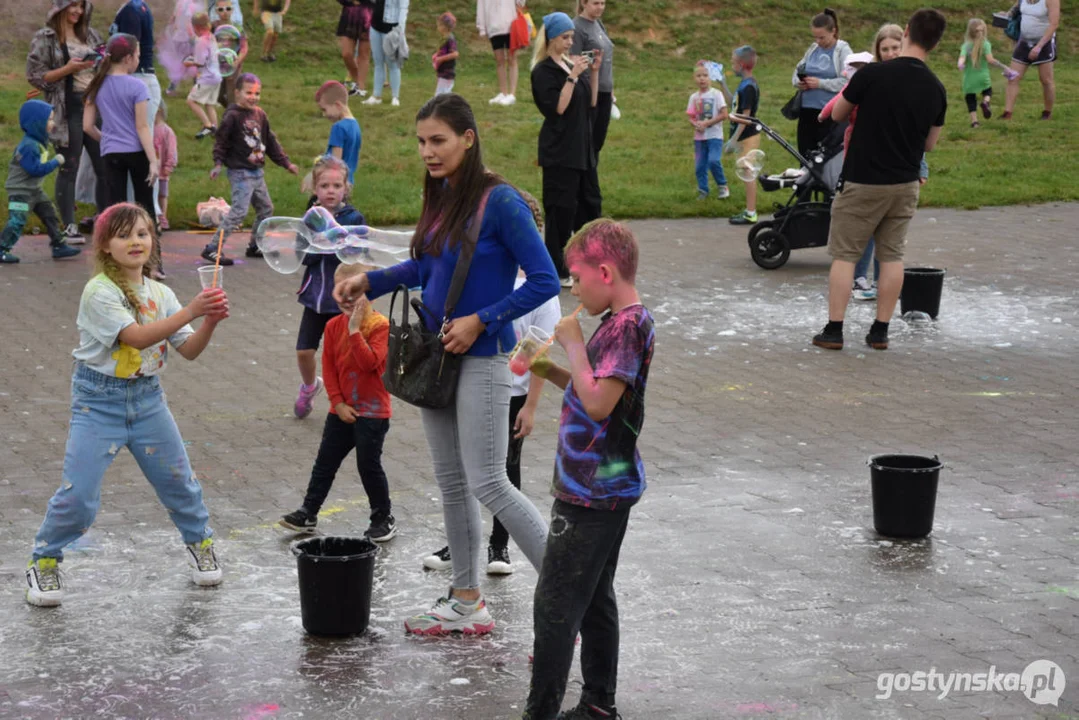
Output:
x=591 y=55
x=801 y=76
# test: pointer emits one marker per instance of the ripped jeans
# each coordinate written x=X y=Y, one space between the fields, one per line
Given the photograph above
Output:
x=109 y=413
x=575 y=593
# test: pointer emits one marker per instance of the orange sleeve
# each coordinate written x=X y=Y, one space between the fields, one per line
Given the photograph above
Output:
x=370 y=346
x=330 y=340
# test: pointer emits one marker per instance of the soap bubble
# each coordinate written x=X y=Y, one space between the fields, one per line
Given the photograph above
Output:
x=225 y=35
x=227 y=61
x=749 y=166
x=284 y=243
x=917 y=318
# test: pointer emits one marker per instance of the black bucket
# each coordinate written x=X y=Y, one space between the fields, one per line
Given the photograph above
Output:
x=336 y=576
x=904 y=494
x=922 y=288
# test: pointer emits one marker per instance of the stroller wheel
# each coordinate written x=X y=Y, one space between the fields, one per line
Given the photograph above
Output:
x=769 y=248
x=757 y=228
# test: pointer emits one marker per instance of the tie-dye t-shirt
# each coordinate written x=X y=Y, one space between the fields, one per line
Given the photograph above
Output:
x=104 y=311
x=597 y=464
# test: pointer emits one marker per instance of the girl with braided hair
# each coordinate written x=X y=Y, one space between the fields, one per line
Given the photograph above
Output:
x=126 y=322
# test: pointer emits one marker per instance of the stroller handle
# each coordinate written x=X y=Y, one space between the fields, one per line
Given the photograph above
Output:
x=809 y=166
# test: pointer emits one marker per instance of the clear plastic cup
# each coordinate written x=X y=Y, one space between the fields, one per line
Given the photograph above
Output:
x=534 y=343
x=211 y=276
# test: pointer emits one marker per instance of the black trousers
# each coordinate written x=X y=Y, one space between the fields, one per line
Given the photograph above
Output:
x=571 y=198
x=72 y=152
x=575 y=593
x=602 y=121
x=117 y=168
x=811 y=132
x=339 y=438
x=499 y=536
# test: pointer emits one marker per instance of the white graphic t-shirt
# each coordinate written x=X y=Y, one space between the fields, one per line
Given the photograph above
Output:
x=705 y=106
x=104 y=312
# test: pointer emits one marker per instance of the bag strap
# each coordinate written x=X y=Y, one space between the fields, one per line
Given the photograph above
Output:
x=464 y=260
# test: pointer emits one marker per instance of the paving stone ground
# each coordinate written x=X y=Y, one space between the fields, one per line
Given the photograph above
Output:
x=752 y=582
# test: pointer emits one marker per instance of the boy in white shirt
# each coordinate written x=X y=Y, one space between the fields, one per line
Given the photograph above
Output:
x=707 y=110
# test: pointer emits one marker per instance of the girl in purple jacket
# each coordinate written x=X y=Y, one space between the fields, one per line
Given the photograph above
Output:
x=330 y=178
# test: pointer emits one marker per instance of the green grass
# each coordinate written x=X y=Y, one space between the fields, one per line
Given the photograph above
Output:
x=647 y=164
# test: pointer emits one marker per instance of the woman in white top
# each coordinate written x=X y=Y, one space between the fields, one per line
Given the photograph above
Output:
x=1037 y=45
x=493 y=20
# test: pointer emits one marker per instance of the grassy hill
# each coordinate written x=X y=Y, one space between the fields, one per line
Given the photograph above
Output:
x=647 y=165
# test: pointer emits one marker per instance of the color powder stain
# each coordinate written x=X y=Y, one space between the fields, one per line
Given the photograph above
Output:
x=1070 y=592
x=763 y=707
x=260 y=711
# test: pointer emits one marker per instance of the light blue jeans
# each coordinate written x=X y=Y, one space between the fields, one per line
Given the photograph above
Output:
x=861 y=269
x=708 y=155
x=468 y=443
x=378 y=59
x=109 y=413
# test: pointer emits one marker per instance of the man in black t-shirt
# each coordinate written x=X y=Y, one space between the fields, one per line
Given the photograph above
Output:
x=901 y=106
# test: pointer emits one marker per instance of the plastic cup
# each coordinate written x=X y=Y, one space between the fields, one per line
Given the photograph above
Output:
x=207 y=279
x=531 y=346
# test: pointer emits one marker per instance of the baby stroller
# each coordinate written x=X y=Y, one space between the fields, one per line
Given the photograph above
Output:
x=803 y=222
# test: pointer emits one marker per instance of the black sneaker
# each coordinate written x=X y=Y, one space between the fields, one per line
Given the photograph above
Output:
x=828 y=339
x=439 y=560
x=383 y=527
x=588 y=711
x=253 y=251
x=498 y=561
x=877 y=340
x=63 y=250
x=300 y=521
x=205 y=132
x=209 y=254
x=7 y=258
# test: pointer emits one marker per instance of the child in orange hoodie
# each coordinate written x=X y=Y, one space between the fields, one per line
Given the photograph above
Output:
x=355 y=344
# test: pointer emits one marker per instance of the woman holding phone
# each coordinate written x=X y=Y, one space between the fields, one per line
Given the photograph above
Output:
x=819 y=75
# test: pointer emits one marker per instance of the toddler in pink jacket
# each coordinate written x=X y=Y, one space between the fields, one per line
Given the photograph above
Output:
x=165 y=147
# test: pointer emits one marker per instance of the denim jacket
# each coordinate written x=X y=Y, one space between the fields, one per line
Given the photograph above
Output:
x=317 y=289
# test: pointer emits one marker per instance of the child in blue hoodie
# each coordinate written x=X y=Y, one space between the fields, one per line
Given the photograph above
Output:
x=29 y=165
x=331 y=185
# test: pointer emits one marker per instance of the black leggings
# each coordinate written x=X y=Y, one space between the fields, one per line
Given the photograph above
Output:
x=973 y=99
x=811 y=132
x=72 y=153
x=499 y=537
x=602 y=121
x=116 y=169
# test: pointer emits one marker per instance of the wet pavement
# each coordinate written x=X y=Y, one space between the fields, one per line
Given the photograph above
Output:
x=751 y=583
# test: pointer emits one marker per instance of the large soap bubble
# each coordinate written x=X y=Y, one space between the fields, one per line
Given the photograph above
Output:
x=285 y=242
x=749 y=166
x=227 y=60
x=226 y=35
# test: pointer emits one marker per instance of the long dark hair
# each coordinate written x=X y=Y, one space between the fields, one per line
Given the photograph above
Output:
x=119 y=47
x=56 y=22
x=446 y=208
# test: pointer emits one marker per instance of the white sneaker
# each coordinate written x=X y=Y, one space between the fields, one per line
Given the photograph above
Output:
x=498 y=99
x=44 y=587
x=724 y=192
x=566 y=282
x=73 y=236
x=498 y=561
x=395 y=102
x=373 y=100
x=439 y=560
x=203 y=561
x=861 y=283
x=452 y=615
x=508 y=100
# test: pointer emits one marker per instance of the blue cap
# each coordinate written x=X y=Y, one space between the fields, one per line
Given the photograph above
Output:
x=557 y=23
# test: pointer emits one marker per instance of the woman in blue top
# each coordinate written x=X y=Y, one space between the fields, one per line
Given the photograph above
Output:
x=819 y=76
x=468 y=439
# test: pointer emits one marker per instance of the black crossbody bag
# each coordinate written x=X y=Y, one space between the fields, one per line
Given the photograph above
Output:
x=419 y=370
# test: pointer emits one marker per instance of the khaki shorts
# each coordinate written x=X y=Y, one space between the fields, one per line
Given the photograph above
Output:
x=879 y=211
x=204 y=94
x=273 y=21
x=750 y=143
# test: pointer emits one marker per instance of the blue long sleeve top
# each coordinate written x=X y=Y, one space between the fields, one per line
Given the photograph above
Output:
x=508 y=238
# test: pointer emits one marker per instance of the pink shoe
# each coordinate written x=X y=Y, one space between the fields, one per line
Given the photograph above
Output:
x=164 y=223
x=306 y=399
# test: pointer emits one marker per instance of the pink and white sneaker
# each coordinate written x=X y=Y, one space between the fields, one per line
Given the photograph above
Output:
x=450 y=615
x=306 y=399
